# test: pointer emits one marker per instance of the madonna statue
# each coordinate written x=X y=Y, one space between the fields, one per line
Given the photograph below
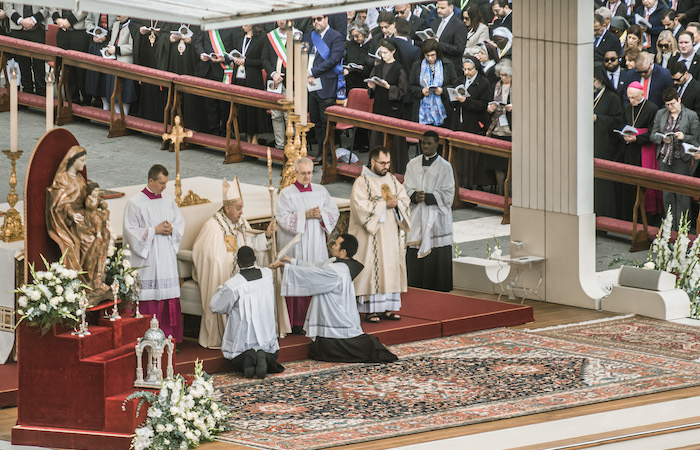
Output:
x=83 y=242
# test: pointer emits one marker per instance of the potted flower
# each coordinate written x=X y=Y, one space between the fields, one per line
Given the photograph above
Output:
x=119 y=268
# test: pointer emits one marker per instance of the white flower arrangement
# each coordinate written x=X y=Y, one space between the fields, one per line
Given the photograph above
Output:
x=180 y=416
x=118 y=267
x=679 y=258
x=496 y=252
x=57 y=296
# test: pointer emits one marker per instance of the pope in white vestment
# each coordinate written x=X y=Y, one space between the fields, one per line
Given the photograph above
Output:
x=379 y=212
x=214 y=255
x=153 y=228
x=430 y=184
x=248 y=301
x=307 y=209
x=333 y=322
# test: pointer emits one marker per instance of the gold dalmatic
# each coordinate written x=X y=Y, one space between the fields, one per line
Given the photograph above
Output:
x=231 y=243
x=386 y=192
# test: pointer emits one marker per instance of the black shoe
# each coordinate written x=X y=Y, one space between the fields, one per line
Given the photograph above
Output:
x=261 y=364
x=249 y=361
x=296 y=329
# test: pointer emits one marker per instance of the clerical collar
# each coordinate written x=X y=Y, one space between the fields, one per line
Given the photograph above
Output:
x=150 y=194
x=429 y=159
x=354 y=266
x=302 y=188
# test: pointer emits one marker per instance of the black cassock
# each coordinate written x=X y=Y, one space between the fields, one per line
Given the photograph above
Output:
x=472 y=117
x=152 y=98
x=168 y=57
x=608 y=111
x=251 y=120
x=640 y=117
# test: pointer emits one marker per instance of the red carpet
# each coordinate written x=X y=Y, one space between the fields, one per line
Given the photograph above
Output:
x=426 y=315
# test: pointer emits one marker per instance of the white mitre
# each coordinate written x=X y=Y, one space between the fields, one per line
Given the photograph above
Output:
x=231 y=192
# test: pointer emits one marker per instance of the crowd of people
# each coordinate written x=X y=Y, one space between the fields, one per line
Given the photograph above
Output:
x=399 y=235
x=646 y=98
x=446 y=64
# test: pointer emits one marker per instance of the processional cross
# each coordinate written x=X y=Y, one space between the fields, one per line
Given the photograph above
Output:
x=177 y=135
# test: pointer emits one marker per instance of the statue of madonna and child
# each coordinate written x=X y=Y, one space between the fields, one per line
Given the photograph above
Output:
x=77 y=219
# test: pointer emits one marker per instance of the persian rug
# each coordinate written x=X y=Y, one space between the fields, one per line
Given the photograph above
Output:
x=438 y=383
x=638 y=333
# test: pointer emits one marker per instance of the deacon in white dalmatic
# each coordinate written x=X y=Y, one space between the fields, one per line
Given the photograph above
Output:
x=333 y=322
x=248 y=301
x=214 y=255
x=153 y=228
x=305 y=208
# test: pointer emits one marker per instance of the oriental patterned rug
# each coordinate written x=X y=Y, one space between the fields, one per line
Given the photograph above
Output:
x=439 y=383
x=637 y=333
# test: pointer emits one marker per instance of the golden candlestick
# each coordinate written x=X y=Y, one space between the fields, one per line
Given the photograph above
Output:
x=290 y=152
x=12 y=228
x=302 y=130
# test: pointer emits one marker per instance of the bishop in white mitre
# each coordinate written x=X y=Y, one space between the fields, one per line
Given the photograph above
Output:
x=153 y=228
x=214 y=255
x=305 y=209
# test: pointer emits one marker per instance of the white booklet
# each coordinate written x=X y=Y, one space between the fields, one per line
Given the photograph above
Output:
x=627 y=131
x=690 y=148
x=271 y=87
x=380 y=81
x=317 y=86
x=105 y=55
x=641 y=21
x=98 y=32
x=426 y=34
x=664 y=135
x=457 y=91
x=288 y=248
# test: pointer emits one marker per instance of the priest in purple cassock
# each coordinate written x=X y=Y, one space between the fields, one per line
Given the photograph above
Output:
x=153 y=228
x=305 y=208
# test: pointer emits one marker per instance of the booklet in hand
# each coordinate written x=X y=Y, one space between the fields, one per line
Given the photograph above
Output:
x=271 y=87
x=317 y=86
x=665 y=135
x=183 y=32
x=690 y=148
x=641 y=21
x=457 y=91
x=105 y=55
x=426 y=34
x=375 y=55
x=353 y=66
x=379 y=81
x=97 y=32
x=627 y=131
x=235 y=54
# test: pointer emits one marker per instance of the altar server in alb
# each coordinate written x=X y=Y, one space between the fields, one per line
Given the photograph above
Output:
x=248 y=301
x=153 y=228
x=379 y=209
x=430 y=184
x=307 y=209
x=333 y=321
x=214 y=255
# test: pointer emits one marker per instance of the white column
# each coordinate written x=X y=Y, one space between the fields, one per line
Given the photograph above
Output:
x=552 y=210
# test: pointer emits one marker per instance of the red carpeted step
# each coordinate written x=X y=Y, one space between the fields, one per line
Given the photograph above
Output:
x=460 y=314
x=8 y=384
x=124 y=421
x=408 y=329
x=69 y=438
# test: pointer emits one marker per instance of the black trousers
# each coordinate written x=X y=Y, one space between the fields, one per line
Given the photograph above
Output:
x=317 y=111
x=32 y=70
x=77 y=40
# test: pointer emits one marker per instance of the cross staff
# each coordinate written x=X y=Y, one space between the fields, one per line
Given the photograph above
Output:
x=176 y=136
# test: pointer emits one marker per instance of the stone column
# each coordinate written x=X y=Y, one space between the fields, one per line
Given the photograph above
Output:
x=552 y=212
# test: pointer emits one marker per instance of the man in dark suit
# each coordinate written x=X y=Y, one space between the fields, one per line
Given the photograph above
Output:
x=605 y=40
x=28 y=23
x=654 y=78
x=417 y=23
x=651 y=10
x=688 y=87
x=274 y=62
x=611 y=62
x=329 y=46
x=688 y=10
x=503 y=13
x=451 y=32
x=669 y=19
x=408 y=54
x=686 y=54
x=386 y=22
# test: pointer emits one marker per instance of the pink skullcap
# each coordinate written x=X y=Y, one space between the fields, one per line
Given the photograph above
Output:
x=636 y=85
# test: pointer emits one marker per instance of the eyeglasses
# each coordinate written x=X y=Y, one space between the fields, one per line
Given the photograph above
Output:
x=317 y=19
x=664 y=45
x=609 y=59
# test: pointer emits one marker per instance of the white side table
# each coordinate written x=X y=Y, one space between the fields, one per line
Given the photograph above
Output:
x=510 y=284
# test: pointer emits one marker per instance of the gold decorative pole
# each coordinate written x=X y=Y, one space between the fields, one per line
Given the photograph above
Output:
x=290 y=152
x=176 y=136
x=12 y=228
x=302 y=130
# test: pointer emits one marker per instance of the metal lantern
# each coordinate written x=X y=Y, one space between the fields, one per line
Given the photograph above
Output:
x=154 y=343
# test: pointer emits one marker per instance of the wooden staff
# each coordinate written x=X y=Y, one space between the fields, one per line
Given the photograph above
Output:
x=271 y=188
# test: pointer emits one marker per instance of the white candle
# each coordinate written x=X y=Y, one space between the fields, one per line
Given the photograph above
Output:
x=49 y=100
x=304 y=94
x=299 y=78
x=290 y=64
x=13 y=109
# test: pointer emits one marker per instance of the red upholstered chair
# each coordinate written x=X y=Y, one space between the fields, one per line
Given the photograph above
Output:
x=358 y=98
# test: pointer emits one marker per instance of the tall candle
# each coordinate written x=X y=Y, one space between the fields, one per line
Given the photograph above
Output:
x=299 y=78
x=304 y=94
x=49 y=100
x=269 y=166
x=13 y=109
x=290 y=64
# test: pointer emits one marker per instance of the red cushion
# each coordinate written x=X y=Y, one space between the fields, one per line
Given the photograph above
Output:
x=647 y=173
x=231 y=88
x=482 y=198
x=478 y=139
x=37 y=101
x=91 y=112
x=113 y=63
x=48 y=50
x=351 y=170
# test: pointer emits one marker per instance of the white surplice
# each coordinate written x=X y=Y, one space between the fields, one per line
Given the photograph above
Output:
x=213 y=265
x=250 y=308
x=291 y=219
x=333 y=311
x=156 y=254
x=431 y=225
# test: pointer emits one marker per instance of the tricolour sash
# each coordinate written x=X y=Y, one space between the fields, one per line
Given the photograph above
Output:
x=278 y=45
x=218 y=46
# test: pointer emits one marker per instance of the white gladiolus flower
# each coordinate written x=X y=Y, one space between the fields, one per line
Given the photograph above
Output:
x=214 y=406
x=166 y=442
x=20 y=312
x=154 y=412
x=110 y=250
x=34 y=294
x=22 y=301
x=183 y=445
x=169 y=427
x=59 y=290
x=43 y=307
x=40 y=275
x=53 y=301
x=128 y=280
x=126 y=251
x=160 y=428
x=126 y=264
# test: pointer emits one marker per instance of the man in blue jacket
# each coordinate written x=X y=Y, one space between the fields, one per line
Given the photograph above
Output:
x=327 y=47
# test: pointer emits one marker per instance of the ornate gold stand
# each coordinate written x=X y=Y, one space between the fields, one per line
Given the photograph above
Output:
x=176 y=136
x=290 y=151
x=302 y=130
x=12 y=228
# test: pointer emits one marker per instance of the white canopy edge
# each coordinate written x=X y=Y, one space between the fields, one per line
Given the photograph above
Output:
x=214 y=14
